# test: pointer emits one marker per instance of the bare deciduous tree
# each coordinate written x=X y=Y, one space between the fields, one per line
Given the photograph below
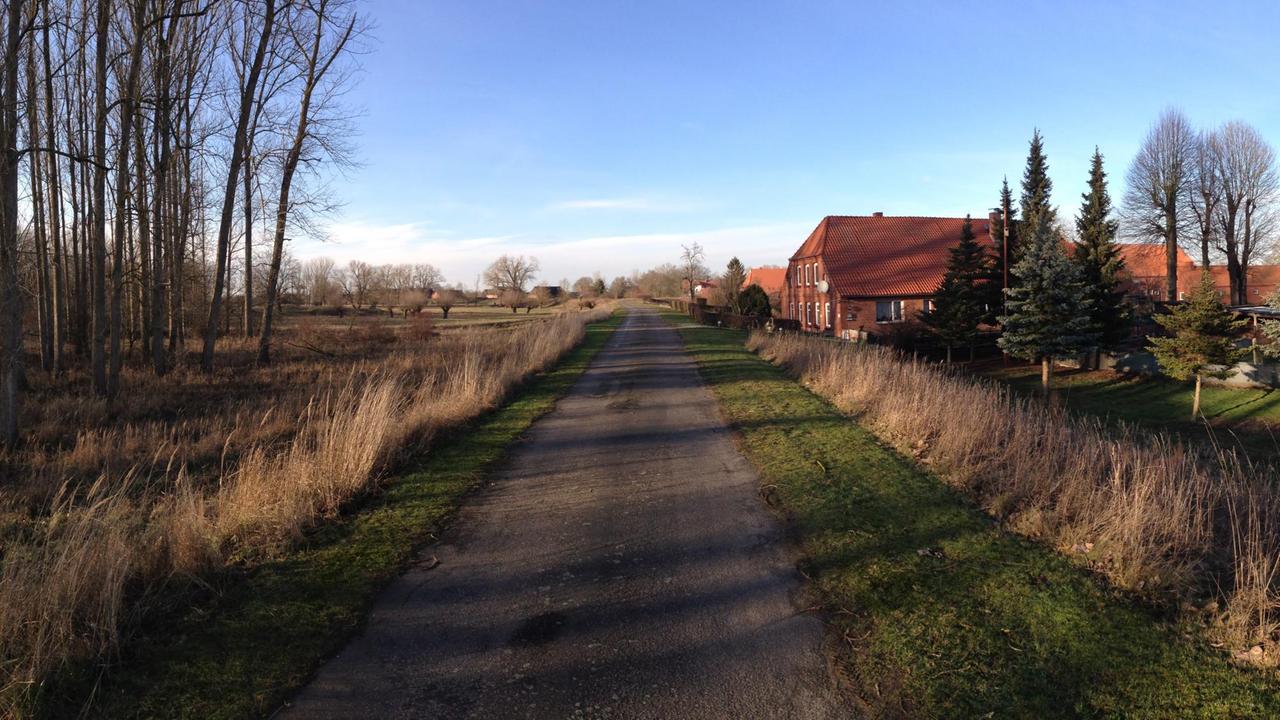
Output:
x=511 y=273
x=1244 y=168
x=317 y=279
x=1158 y=180
x=1205 y=196
x=321 y=38
x=247 y=95
x=446 y=298
x=693 y=267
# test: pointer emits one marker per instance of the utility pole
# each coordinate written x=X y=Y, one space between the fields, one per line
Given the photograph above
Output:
x=1004 y=264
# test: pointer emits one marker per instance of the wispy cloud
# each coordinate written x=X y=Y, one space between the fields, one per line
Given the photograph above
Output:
x=633 y=204
x=605 y=204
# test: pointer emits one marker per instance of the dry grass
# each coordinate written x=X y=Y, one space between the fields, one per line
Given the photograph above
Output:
x=1153 y=515
x=223 y=469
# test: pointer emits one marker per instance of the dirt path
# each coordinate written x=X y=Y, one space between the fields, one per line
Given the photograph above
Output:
x=620 y=565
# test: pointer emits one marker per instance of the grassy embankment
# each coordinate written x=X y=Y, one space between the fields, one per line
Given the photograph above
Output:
x=1238 y=417
x=945 y=613
x=240 y=650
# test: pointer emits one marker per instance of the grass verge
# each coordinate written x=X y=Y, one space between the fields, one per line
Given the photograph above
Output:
x=1243 y=418
x=266 y=628
x=947 y=615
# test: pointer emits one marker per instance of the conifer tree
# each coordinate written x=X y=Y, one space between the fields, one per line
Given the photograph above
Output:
x=1036 y=187
x=1048 y=314
x=1099 y=258
x=735 y=274
x=997 y=235
x=963 y=300
x=1201 y=341
x=755 y=301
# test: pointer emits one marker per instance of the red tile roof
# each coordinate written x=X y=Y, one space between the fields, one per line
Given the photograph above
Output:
x=877 y=256
x=770 y=279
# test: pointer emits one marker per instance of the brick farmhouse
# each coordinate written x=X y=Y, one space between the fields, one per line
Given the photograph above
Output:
x=856 y=276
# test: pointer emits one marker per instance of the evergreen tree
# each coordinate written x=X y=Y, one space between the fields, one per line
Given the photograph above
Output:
x=755 y=301
x=1048 y=314
x=963 y=300
x=997 y=235
x=731 y=285
x=1202 y=335
x=1036 y=187
x=1099 y=258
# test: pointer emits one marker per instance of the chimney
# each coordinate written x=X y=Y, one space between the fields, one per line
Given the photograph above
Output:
x=993 y=217
x=877 y=214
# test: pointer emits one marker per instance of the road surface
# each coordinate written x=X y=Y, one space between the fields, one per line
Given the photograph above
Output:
x=619 y=565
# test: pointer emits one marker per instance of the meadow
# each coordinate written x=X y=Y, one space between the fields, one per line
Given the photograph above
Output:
x=185 y=474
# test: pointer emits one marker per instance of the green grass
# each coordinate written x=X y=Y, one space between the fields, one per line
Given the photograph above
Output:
x=239 y=651
x=945 y=614
x=1238 y=417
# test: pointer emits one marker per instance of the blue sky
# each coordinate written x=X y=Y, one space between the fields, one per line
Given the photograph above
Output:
x=603 y=135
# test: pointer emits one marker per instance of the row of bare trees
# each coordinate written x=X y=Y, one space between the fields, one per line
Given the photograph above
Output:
x=142 y=143
x=360 y=283
x=1215 y=193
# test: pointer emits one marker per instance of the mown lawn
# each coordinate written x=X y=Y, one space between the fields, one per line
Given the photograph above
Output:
x=946 y=615
x=260 y=631
x=1238 y=417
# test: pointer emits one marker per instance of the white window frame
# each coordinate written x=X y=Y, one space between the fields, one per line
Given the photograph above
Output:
x=827 y=315
x=895 y=311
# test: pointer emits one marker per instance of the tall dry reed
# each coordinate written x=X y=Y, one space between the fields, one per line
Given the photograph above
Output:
x=1172 y=522
x=68 y=581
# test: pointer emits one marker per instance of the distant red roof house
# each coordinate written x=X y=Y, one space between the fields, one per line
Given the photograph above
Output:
x=1147 y=271
x=858 y=274
x=1263 y=282
x=770 y=279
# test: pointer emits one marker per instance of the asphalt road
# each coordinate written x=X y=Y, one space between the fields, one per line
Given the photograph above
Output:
x=619 y=565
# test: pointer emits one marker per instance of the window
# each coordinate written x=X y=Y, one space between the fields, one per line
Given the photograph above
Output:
x=808 y=313
x=799 y=280
x=888 y=311
x=815 y=273
x=930 y=306
x=807 y=279
x=828 y=315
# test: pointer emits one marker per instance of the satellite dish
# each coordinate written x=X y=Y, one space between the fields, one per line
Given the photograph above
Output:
x=822 y=286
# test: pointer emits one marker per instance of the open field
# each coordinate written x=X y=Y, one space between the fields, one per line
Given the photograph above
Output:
x=945 y=614
x=1238 y=417
x=117 y=505
x=468 y=315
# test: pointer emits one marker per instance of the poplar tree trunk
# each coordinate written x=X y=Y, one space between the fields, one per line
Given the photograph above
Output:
x=98 y=273
x=11 y=371
x=316 y=69
x=1195 y=400
x=229 y=193
x=1046 y=374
